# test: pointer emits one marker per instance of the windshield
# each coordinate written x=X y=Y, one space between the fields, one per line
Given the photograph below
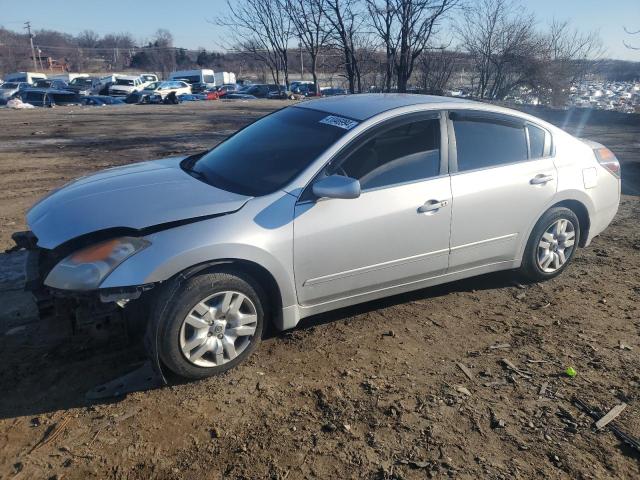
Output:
x=122 y=81
x=260 y=159
x=81 y=81
x=9 y=86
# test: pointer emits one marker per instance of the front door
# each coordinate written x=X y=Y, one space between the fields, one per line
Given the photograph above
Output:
x=396 y=232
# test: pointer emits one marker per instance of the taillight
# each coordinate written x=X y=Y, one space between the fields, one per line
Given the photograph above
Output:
x=608 y=160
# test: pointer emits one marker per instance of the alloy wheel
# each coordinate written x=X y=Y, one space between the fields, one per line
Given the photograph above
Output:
x=218 y=329
x=556 y=245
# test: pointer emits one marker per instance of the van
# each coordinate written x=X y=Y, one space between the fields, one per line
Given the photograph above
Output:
x=28 y=77
x=199 y=80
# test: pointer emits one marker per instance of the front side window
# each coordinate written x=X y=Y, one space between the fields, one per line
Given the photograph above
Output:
x=484 y=142
x=260 y=159
x=208 y=79
x=403 y=153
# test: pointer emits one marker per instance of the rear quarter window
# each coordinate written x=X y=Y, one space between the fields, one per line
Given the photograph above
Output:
x=536 y=141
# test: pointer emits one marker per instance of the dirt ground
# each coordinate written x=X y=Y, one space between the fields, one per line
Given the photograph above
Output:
x=373 y=391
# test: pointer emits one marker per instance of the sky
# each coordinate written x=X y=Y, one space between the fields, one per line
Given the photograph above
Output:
x=190 y=22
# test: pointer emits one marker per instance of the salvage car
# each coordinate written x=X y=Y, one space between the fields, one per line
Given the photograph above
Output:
x=85 y=85
x=50 y=83
x=260 y=90
x=49 y=97
x=366 y=196
x=156 y=92
x=126 y=84
x=101 y=100
x=9 y=90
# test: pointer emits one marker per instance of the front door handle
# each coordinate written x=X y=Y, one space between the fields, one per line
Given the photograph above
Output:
x=432 y=206
x=541 y=179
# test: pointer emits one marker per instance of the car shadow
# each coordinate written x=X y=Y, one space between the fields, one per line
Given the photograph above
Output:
x=490 y=281
x=45 y=369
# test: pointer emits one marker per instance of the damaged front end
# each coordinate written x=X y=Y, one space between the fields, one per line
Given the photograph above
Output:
x=115 y=316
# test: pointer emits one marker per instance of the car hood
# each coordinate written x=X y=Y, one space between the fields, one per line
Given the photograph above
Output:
x=136 y=196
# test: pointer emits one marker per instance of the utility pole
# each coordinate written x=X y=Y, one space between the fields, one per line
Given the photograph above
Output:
x=301 y=64
x=33 y=51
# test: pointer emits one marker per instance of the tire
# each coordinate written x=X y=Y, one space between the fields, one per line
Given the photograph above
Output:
x=540 y=263
x=182 y=340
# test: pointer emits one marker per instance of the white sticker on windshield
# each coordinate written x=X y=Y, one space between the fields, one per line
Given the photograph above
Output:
x=339 y=122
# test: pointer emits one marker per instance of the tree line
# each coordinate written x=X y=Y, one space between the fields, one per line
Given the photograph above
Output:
x=399 y=45
x=493 y=47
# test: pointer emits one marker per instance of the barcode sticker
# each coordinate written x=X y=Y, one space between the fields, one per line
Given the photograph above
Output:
x=339 y=122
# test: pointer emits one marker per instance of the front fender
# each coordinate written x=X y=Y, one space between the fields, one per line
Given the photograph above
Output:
x=240 y=236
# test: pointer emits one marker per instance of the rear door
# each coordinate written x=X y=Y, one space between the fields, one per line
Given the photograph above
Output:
x=502 y=178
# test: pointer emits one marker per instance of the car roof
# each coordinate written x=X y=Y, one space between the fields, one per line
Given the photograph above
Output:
x=364 y=106
x=48 y=90
x=127 y=77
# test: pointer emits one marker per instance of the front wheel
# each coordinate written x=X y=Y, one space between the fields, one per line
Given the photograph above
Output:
x=552 y=244
x=210 y=323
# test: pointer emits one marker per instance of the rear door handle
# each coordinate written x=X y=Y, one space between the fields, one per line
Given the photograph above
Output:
x=541 y=179
x=432 y=206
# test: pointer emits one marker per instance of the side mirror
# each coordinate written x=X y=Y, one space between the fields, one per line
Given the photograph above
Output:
x=337 y=186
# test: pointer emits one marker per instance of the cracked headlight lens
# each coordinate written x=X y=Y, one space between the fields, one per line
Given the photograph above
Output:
x=88 y=267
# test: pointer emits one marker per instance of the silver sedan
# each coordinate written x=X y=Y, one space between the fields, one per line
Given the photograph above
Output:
x=318 y=206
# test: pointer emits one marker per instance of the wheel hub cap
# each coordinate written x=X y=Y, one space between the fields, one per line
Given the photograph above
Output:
x=556 y=245
x=218 y=329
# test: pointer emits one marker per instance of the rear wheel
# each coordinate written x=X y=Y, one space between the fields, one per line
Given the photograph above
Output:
x=210 y=323
x=552 y=244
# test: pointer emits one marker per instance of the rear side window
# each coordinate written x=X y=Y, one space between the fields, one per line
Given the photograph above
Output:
x=536 y=141
x=484 y=142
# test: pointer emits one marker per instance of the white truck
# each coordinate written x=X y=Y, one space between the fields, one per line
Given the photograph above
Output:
x=28 y=77
x=203 y=79
x=224 y=78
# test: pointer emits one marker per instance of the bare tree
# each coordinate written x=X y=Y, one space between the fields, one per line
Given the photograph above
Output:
x=310 y=27
x=417 y=23
x=345 y=21
x=383 y=20
x=567 y=58
x=88 y=39
x=500 y=37
x=162 y=55
x=631 y=32
x=263 y=29
x=436 y=67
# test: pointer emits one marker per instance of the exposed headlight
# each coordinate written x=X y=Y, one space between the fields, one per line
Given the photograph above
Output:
x=87 y=268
